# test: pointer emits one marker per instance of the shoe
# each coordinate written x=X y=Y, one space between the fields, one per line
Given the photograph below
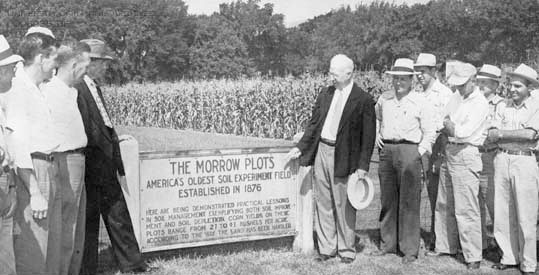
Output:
x=432 y=253
x=408 y=259
x=322 y=258
x=142 y=269
x=347 y=260
x=473 y=265
x=500 y=266
x=527 y=273
x=378 y=253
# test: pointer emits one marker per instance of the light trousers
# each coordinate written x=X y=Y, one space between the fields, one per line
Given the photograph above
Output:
x=516 y=180
x=335 y=218
x=457 y=216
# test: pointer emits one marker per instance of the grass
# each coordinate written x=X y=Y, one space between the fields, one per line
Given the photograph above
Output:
x=276 y=256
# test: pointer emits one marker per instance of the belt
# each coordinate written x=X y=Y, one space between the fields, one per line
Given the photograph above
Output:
x=517 y=152
x=327 y=141
x=75 y=151
x=487 y=150
x=42 y=156
x=398 y=141
x=460 y=143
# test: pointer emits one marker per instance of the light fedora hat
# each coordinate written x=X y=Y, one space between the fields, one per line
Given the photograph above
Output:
x=425 y=60
x=488 y=71
x=97 y=49
x=6 y=53
x=461 y=73
x=360 y=191
x=525 y=72
x=402 y=66
x=42 y=30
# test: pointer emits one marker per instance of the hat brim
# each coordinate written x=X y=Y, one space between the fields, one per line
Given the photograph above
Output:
x=486 y=77
x=401 y=73
x=10 y=60
x=532 y=80
x=457 y=80
x=424 y=65
x=360 y=192
x=98 y=56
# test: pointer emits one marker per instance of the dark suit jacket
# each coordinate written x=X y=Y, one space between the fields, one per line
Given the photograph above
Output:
x=356 y=133
x=103 y=158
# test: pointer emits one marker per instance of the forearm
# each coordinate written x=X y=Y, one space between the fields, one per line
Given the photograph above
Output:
x=517 y=135
x=29 y=179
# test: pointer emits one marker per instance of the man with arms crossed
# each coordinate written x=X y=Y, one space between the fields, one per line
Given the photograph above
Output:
x=457 y=215
x=516 y=175
x=338 y=141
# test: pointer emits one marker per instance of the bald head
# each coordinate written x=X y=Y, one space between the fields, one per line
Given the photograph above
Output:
x=342 y=63
x=340 y=70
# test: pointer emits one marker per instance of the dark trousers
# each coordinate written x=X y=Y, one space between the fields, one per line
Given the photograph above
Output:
x=107 y=200
x=400 y=176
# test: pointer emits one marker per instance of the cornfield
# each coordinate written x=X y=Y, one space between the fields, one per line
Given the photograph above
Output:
x=268 y=108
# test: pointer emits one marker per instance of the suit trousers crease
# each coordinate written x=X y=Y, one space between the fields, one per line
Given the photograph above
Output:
x=486 y=194
x=335 y=218
x=400 y=174
x=458 y=217
x=38 y=242
x=516 y=195
x=107 y=200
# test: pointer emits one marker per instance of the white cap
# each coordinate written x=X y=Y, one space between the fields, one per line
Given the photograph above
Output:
x=6 y=53
x=425 y=59
x=42 y=30
x=461 y=74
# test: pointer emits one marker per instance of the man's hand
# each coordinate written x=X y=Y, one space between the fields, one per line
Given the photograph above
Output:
x=10 y=204
x=361 y=174
x=449 y=127
x=38 y=205
x=292 y=154
x=493 y=135
x=379 y=143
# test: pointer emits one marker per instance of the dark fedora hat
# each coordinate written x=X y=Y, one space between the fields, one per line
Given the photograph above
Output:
x=97 y=49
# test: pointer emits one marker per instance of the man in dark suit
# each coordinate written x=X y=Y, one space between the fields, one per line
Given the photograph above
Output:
x=103 y=165
x=338 y=142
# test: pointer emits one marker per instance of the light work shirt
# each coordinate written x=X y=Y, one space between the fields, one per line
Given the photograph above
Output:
x=438 y=95
x=517 y=117
x=411 y=118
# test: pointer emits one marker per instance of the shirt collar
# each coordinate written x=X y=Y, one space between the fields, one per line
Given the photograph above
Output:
x=347 y=89
x=89 y=81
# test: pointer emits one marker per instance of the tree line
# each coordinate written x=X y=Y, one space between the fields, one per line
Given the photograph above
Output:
x=159 y=40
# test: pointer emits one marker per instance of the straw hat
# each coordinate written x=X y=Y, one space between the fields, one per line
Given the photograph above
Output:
x=525 y=72
x=425 y=60
x=461 y=73
x=403 y=66
x=489 y=72
x=6 y=53
x=360 y=191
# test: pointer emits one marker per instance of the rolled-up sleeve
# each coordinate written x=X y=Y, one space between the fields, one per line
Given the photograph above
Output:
x=428 y=126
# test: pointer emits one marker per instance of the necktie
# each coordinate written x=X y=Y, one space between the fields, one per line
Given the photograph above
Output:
x=337 y=112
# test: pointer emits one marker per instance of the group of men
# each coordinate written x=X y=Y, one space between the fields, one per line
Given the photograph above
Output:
x=474 y=150
x=61 y=160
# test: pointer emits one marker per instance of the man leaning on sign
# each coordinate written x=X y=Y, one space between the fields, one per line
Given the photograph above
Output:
x=338 y=141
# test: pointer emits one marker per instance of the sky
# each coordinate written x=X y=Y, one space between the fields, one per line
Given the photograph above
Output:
x=295 y=11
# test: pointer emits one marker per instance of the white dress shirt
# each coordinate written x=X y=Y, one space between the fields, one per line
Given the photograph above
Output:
x=29 y=117
x=333 y=118
x=66 y=118
x=469 y=115
x=100 y=104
